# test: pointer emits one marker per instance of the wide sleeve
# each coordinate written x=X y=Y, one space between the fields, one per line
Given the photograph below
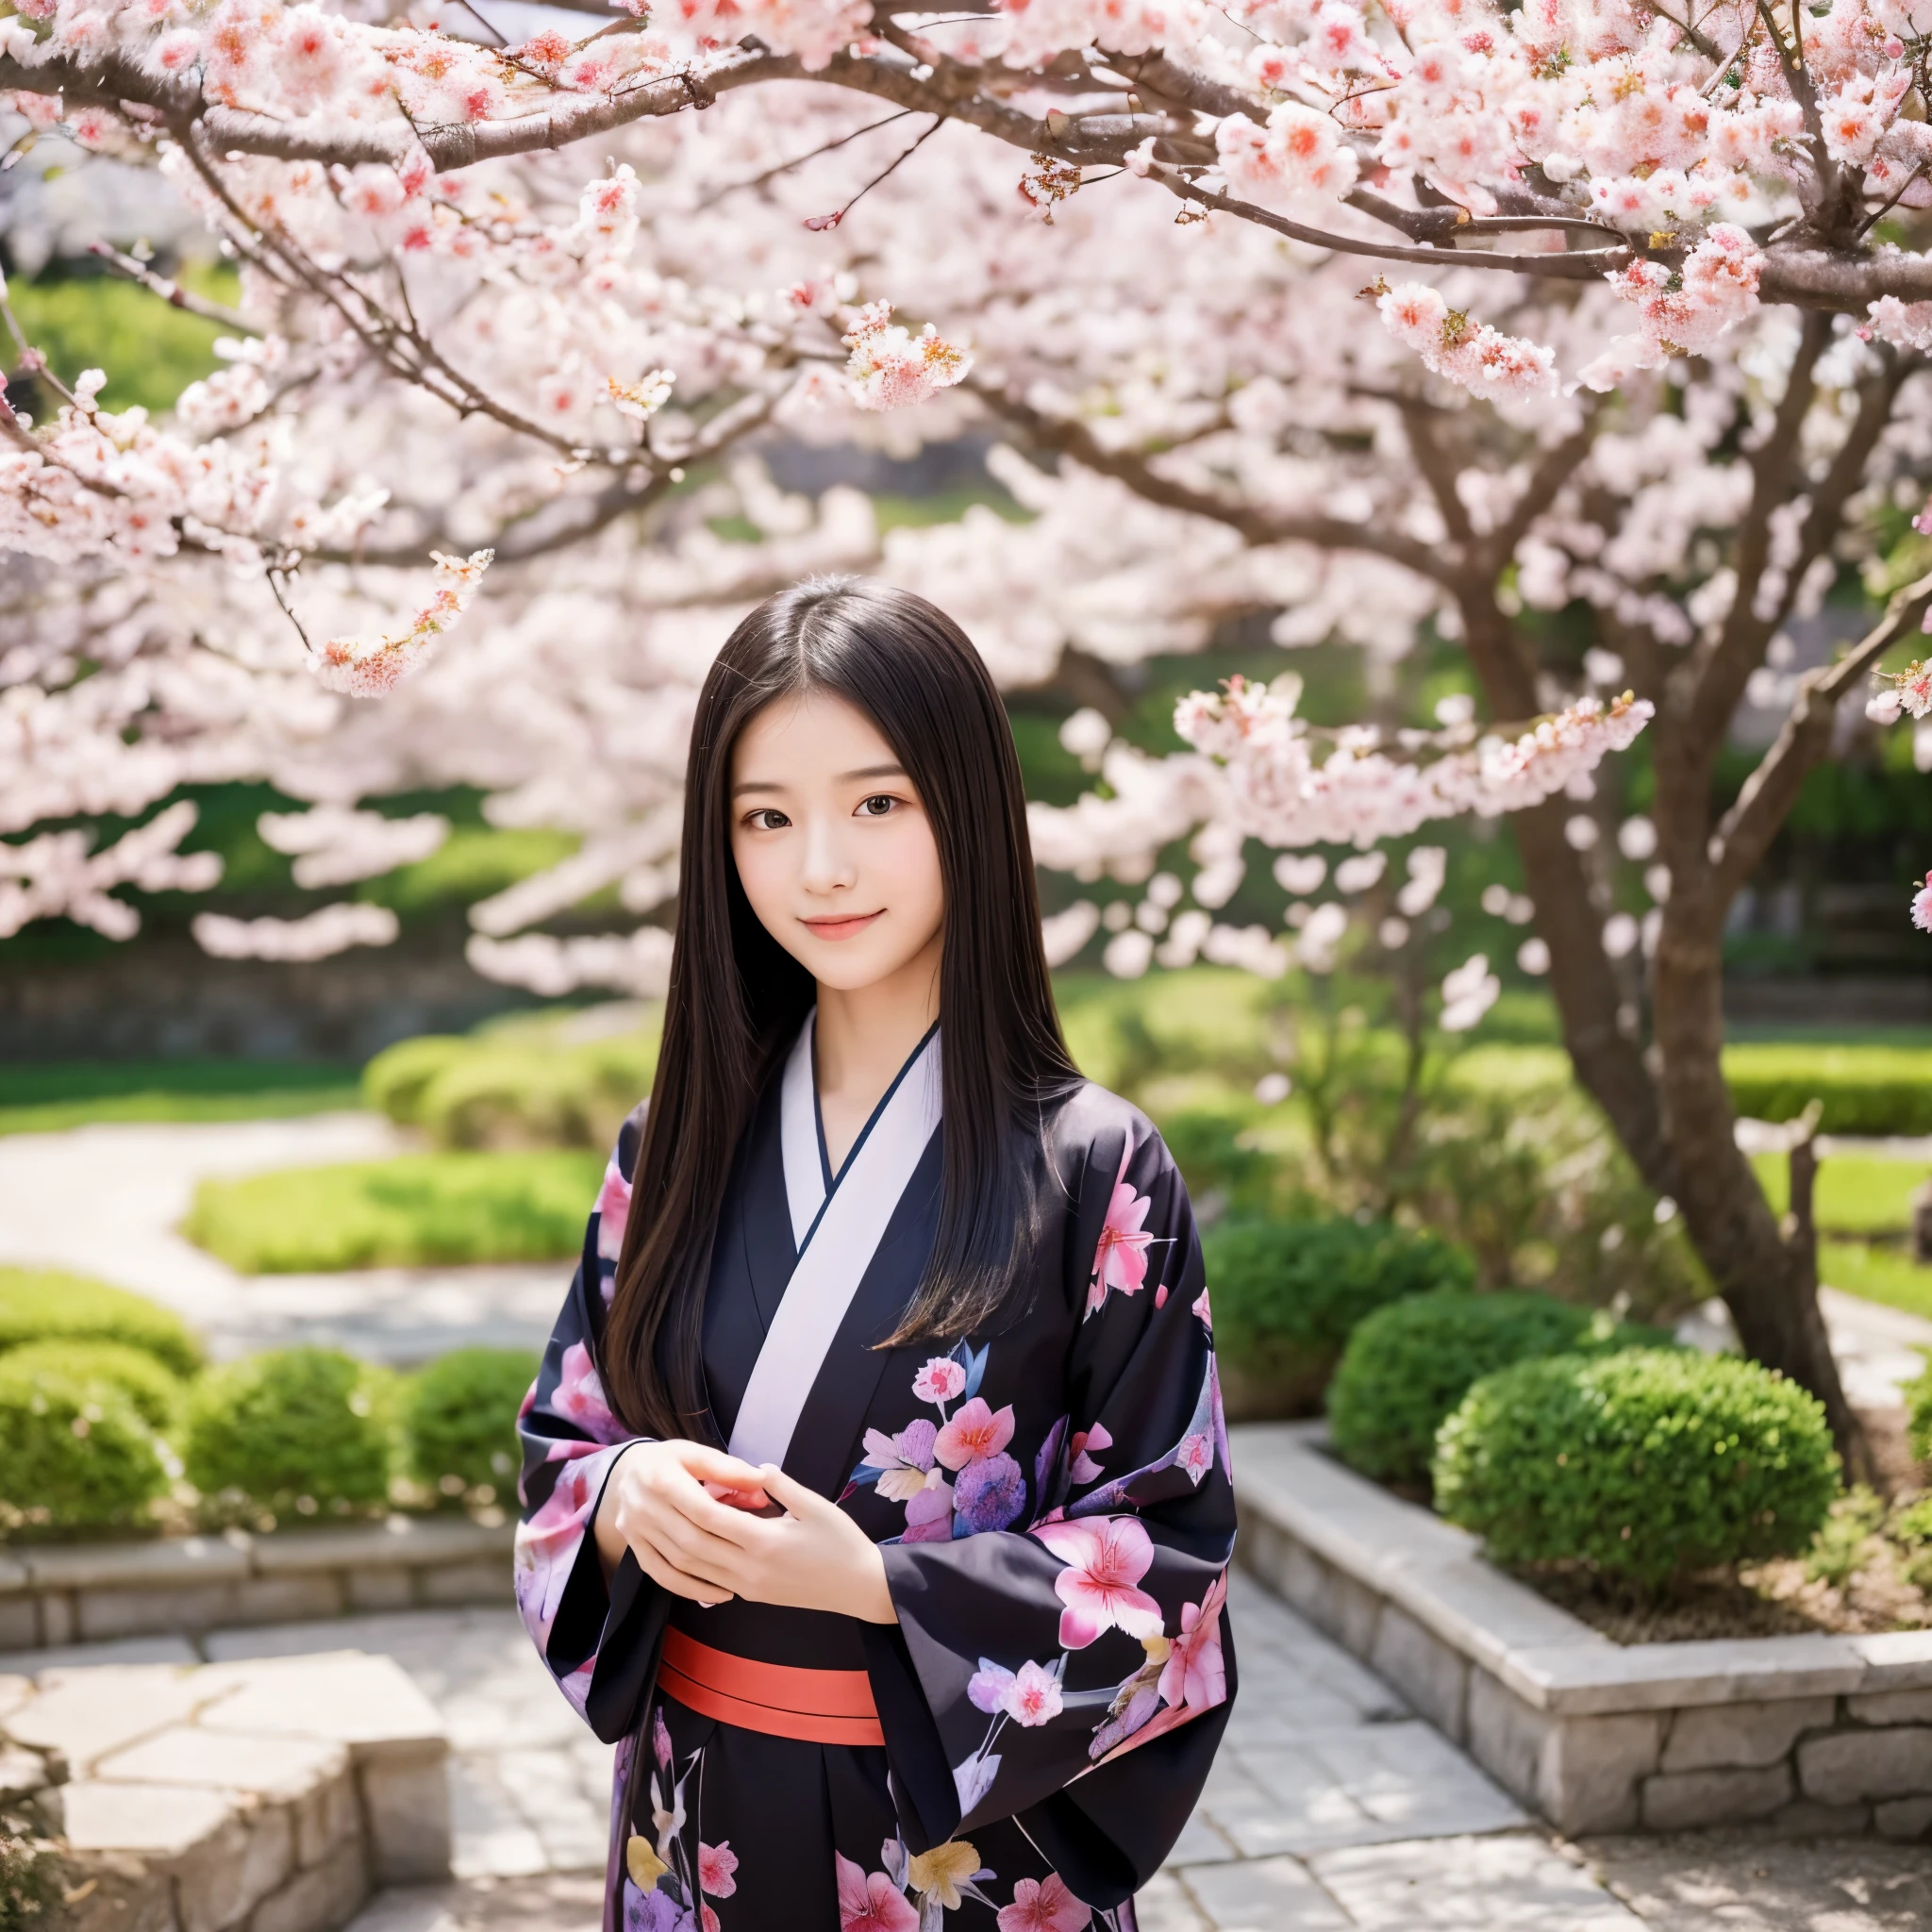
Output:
x=598 y=1642
x=1078 y=1672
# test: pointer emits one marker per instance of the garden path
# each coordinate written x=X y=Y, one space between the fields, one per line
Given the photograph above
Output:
x=1331 y=1807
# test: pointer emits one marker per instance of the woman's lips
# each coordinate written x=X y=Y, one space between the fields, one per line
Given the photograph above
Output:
x=842 y=928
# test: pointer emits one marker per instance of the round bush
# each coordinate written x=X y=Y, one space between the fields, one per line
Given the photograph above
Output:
x=396 y=1079
x=1918 y=1394
x=74 y=1455
x=39 y=1307
x=1646 y=1464
x=1407 y=1366
x=156 y=1392
x=293 y=1425
x=459 y=1418
x=1288 y=1293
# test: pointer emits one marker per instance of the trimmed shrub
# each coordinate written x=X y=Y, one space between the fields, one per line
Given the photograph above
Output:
x=293 y=1426
x=1647 y=1464
x=396 y=1079
x=74 y=1455
x=1865 y=1090
x=157 y=1394
x=43 y=1306
x=459 y=1418
x=1288 y=1293
x=1407 y=1365
x=414 y=1210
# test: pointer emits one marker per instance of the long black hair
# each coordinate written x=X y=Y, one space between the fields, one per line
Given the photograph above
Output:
x=737 y=998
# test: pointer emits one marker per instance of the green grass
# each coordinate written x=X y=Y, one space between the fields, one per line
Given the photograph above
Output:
x=43 y=1097
x=1857 y=1193
x=151 y=352
x=416 y=1210
x=1876 y=1274
x=1869 y=1088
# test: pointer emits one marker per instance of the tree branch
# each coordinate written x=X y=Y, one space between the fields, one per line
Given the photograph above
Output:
x=173 y=293
x=1745 y=832
x=1552 y=470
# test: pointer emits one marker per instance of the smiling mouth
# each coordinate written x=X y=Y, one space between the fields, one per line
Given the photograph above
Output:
x=848 y=927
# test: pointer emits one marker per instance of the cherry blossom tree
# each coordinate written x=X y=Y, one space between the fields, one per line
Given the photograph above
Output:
x=1640 y=354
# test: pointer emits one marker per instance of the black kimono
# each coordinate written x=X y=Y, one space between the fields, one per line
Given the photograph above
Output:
x=1053 y=1501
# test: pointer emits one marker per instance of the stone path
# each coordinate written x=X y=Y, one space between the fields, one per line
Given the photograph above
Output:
x=107 y=1199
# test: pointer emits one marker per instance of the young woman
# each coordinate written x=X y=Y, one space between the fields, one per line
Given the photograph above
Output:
x=876 y=1483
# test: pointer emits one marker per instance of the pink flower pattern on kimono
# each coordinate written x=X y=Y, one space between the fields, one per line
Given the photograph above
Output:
x=613 y=1211
x=1194 y=1673
x=903 y=1460
x=1030 y=1695
x=974 y=1431
x=1120 y=1261
x=1043 y=1905
x=870 y=1902
x=1082 y=1467
x=939 y=1380
x=1201 y=1309
x=579 y=1396
x=547 y=1544
x=1105 y=1558
x=717 y=1869
x=929 y=1514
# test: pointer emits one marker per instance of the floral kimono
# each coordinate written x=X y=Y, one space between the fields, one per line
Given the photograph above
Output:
x=1052 y=1500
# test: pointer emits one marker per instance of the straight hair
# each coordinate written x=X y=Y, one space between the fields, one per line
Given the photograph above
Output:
x=736 y=998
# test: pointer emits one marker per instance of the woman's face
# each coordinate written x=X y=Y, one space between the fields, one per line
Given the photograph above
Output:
x=833 y=845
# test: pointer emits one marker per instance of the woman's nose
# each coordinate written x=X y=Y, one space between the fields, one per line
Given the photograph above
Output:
x=828 y=863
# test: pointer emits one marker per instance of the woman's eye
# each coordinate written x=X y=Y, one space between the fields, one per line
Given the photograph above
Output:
x=767 y=819
x=878 y=806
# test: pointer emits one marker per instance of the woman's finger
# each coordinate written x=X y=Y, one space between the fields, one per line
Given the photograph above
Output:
x=700 y=1460
x=669 y=1576
x=694 y=1548
x=797 y=1499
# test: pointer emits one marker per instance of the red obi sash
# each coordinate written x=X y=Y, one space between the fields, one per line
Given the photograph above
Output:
x=816 y=1707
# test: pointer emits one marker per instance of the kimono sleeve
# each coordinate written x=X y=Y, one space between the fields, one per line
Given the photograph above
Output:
x=1079 y=1673
x=598 y=1642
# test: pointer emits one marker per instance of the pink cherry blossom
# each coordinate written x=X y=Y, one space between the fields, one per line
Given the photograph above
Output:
x=870 y=1902
x=1044 y=1905
x=1034 y=1696
x=1922 y=906
x=976 y=1431
x=939 y=1380
x=1105 y=1558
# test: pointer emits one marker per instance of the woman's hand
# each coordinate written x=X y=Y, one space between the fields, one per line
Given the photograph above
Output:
x=670 y=1504
x=814 y=1557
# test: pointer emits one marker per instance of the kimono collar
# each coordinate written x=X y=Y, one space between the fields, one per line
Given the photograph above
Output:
x=837 y=1230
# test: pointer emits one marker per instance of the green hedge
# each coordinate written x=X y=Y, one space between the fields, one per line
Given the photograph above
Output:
x=414 y=1210
x=1288 y=1293
x=296 y=1428
x=1647 y=1464
x=522 y=1083
x=156 y=1392
x=460 y=1419
x=1865 y=1090
x=43 y=1306
x=74 y=1456
x=1407 y=1365
x=1918 y=1396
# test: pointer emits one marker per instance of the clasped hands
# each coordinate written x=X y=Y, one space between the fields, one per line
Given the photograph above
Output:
x=689 y=1513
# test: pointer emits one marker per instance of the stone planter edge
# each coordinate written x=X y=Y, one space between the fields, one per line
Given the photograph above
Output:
x=1813 y=1732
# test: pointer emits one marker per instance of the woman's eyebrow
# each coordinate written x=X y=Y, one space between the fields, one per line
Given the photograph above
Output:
x=873 y=771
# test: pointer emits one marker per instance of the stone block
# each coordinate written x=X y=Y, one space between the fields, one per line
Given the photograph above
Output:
x=1580 y=1773
x=327 y=1817
x=277 y=1769
x=367 y=1703
x=1429 y=1674
x=14 y=1692
x=1891 y=1708
x=378 y=1589
x=1711 y=1736
x=19 y=1623
x=121 y=1612
x=1848 y=1767
x=174 y=1562
x=59 y=1624
x=1261 y=1894
x=22 y=1773
x=486 y=1582
x=148 y=1820
x=87 y=1713
x=219 y=1881
x=1903 y=1818
x=292 y=1597
x=320 y=1899
x=112 y=1900
x=1514 y=1883
x=1807 y=1818
x=406 y=1814
x=1689 y=1799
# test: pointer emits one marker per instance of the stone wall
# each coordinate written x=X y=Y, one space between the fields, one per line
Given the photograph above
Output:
x=1809 y=1734
x=90 y=1593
